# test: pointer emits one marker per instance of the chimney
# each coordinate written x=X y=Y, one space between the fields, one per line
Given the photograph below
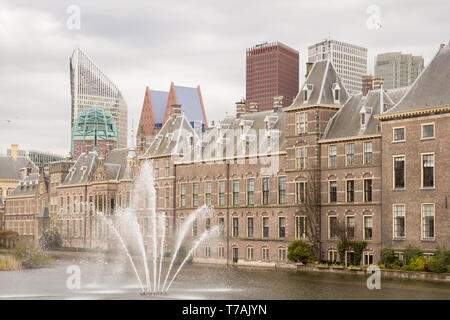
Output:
x=253 y=107
x=309 y=66
x=175 y=110
x=441 y=46
x=240 y=108
x=14 y=151
x=367 y=84
x=277 y=103
x=377 y=83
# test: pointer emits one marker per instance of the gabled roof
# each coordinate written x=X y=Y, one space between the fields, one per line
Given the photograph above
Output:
x=430 y=89
x=10 y=167
x=346 y=122
x=166 y=141
x=27 y=186
x=83 y=171
x=321 y=79
x=159 y=101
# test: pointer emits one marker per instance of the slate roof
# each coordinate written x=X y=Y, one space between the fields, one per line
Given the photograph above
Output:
x=10 y=167
x=191 y=106
x=159 y=102
x=83 y=171
x=397 y=93
x=44 y=213
x=431 y=88
x=346 y=122
x=27 y=186
x=220 y=137
x=321 y=78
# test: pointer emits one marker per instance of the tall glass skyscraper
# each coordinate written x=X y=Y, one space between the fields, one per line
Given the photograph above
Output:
x=90 y=87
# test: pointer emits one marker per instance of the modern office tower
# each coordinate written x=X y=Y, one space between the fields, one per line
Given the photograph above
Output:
x=94 y=130
x=397 y=69
x=40 y=158
x=350 y=61
x=271 y=70
x=90 y=87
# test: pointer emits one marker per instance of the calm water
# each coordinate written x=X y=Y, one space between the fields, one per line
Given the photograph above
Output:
x=101 y=280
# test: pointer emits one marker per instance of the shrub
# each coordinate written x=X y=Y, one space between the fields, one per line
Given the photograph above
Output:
x=418 y=264
x=411 y=253
x=387 y=257
x=31 y=256
x=341 y=251
x=299 y=251
x=358 y=248
x=51 y=239
x=182 y=253
x=440 y=262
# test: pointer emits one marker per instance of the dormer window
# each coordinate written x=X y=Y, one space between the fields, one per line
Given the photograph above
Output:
x=363 y=118
x=336 y=92
x=307 y=90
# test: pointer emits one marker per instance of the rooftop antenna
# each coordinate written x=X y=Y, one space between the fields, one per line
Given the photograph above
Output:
x=132 y=130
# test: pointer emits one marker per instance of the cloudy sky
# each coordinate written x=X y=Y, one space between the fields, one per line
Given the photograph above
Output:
x=151 y=43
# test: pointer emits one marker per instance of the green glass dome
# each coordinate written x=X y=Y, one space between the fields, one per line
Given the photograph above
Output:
x=94 y=124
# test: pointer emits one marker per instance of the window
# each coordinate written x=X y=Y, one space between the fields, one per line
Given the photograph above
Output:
x=300 y=227
x=156 y=168
x=235 y=227
x=208 y=224
x=250 y=227
x=195 y=194
x=368 y=152
x=332 y=227
x=250 y=192
x=167 y=167
x=399 y=172
x=235 y=192
x=428 y=131
x=281 y=227
x=194 y=228
x=428 y=221
x=207 y=251
x=300 y=192
x=332 y=255
x=265 y=191
x=399 y=221
x=363 y=119
x=428 y=170
x=221 y=193
x=281 y=190
x=350 y=190
x=265 y=254
x=368 y=190
x=221 y=251
x=221 y=223
x=183 y=195
x=333 y=191
x=301 y=119
x=332 y=156
x=282 y=254
x=368 y=258
x=167 y=197
x=300 y=158
x=399 y=134
x=350 y=154
x=367 y=227
x=249 y=253
x=265 y=227
x=208 y=193
x=350 y=224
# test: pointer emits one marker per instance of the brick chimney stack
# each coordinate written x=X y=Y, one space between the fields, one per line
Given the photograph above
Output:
x=277 y=103
x=240 y=108
x=253 y=107
x=14 y=151
x=175 y=110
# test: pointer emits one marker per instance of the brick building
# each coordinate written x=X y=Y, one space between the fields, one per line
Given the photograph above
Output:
x=272 y=69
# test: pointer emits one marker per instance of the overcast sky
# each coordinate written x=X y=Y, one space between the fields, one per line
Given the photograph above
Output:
x=151 y=43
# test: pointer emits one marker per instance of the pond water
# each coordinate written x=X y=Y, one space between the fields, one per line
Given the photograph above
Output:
x=103 y=280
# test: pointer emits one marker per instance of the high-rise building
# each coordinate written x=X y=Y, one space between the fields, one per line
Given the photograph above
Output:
x=349 y=60
x=94 y=130
x=39 y=158
x=272 y=70
x=397 y=69
x=90 y=87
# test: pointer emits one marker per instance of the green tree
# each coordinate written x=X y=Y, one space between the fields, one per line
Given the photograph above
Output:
x=51 y=239
x=388 y=257
x=411 y=253
x=299 y=251
x=358 y=248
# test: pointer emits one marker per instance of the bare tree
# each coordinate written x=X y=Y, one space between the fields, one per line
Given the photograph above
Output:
x=342 y=234
x=310 y=207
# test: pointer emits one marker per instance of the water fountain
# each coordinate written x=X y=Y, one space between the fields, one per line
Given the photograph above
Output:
x=143 y=200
